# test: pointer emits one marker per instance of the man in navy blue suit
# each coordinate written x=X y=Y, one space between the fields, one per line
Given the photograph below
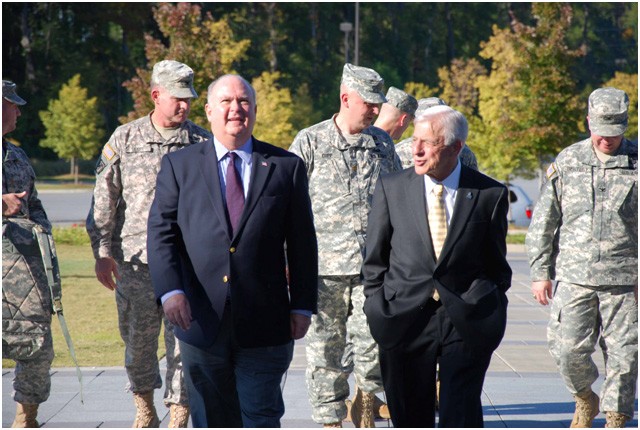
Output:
x=229 y=215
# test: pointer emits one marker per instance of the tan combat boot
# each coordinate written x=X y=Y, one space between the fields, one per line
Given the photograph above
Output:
x=380 y=409
x=146 y=416
x=349 y=403
x=26 y=416
x=616 y=420
x=362 y=409
x=587 y=407
x=179 y=416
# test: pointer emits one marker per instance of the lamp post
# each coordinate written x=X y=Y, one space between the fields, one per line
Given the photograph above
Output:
x=346 y=27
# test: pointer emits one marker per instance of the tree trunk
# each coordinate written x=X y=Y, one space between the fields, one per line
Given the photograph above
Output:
x=73 y=162
x=314 y=23
x=25 y=41
x=451 y=54
x=273 y=35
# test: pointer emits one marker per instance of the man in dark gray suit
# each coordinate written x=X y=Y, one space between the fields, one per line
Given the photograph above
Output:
x=435 y=277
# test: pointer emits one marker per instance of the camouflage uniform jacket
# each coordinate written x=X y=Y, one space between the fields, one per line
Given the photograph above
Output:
x=125 y=186
x=18 y=176
x=405 y=152
x=585 y=225
x=342 y=178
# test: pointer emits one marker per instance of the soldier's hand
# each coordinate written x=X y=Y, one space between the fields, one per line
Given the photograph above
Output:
x=11 y=203
x=178 y=311
x=542 y=291
x=106 y=269
x=299 y=325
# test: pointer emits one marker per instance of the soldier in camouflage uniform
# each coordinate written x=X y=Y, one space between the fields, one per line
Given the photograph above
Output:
x=584 y=234
x=32 y=381
x=344 y=157
x=117 y=224
x=397 y=113
x=404 y=148
x=395 y=116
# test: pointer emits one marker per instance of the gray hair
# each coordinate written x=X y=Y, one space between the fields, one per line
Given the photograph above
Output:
x=228 y=75
x=454 y=125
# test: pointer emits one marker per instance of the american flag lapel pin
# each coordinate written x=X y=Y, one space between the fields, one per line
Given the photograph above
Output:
x=263 y=164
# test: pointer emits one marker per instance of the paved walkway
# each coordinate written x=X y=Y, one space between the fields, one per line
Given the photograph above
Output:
x=522 y=389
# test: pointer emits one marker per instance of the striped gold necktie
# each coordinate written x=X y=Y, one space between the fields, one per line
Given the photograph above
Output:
x=437 y=217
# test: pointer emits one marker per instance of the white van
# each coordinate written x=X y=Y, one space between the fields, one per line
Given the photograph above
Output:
x=521 y=208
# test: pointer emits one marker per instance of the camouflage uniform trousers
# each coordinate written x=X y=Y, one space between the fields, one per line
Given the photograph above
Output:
x=579 y=315
x=32 y=380
x=340 y=302
x=140 y=319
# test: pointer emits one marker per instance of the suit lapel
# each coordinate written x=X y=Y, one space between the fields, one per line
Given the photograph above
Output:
x=416 y=198
x=209 y=170
x=466 y=198
x=260 y=169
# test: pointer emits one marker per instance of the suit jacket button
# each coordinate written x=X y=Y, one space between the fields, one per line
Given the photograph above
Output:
x=225 y=279
x=232 y=250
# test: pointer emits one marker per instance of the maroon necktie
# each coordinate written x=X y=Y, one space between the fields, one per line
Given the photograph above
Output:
x=235 y=193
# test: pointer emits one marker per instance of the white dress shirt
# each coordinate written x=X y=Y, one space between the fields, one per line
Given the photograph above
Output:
x=450 y=184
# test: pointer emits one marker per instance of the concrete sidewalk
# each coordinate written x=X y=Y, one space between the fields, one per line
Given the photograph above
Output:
x=522 y=388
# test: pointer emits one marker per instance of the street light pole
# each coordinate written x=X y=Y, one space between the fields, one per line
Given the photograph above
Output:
x=346 y=27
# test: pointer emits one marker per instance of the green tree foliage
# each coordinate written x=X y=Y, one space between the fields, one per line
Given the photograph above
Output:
x=528 y=103
x=458 y=84
x=46 y=43
x=608 y=32
x=275 y=111
x=72 y=124
x=629 y=84
x=204 y=44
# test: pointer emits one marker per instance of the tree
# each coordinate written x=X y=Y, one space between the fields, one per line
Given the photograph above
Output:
x=204 y=44
x=458 y=84
x=275 y=111
x=72 y=124
x=528 y=103
x=629 y=84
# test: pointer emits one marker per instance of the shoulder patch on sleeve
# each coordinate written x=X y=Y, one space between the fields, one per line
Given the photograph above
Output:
x=552 y=172
x=108 y=152
x=100 y=165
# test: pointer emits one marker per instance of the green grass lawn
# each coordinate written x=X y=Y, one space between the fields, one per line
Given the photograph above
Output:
x=90 y=313
x=516 y=238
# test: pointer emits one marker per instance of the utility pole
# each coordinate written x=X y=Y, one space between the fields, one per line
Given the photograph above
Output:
x=346 y=27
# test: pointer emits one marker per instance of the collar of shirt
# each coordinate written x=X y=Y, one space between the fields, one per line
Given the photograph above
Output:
x=244 y=153
x=450 y=183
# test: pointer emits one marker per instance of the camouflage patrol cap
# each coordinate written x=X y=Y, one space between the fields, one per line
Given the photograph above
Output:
x=175 y=77
x=9 y=93
x=366 y=82
x=426 y=103
x=401 y=100
x=608 y=112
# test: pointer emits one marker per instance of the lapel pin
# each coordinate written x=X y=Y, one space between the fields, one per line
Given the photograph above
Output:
x=264 y=163
x=469 y=195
